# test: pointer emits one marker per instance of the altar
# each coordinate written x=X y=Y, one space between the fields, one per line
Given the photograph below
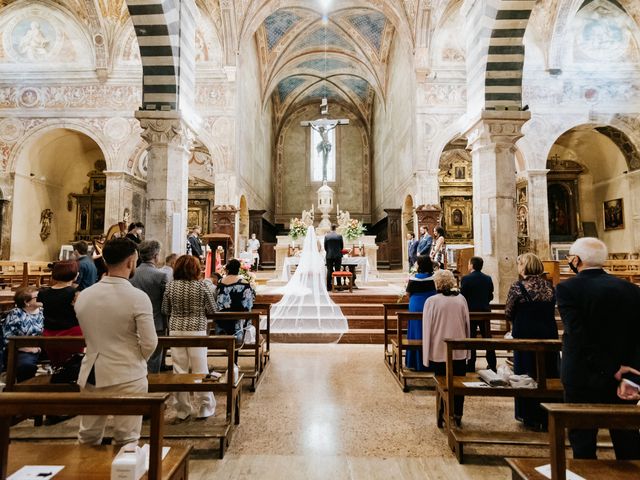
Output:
x=361 y=263
x=367 y=264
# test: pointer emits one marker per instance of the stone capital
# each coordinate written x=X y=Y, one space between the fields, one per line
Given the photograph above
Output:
x=496 y=128
x=537 y=172
x=165 y=128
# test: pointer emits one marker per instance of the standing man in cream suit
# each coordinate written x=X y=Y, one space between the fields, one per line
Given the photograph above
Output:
x=117 y=322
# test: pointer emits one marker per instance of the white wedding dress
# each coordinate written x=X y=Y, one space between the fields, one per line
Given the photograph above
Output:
x=306 y=306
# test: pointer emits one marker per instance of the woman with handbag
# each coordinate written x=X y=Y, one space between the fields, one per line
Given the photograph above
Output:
x=530 y=307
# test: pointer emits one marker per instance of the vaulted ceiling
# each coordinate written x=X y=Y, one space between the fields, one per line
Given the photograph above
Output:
x=306 y=56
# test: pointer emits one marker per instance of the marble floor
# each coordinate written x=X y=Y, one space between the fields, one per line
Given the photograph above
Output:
x=326 y=411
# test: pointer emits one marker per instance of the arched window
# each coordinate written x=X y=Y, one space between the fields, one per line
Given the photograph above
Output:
x=316 y=156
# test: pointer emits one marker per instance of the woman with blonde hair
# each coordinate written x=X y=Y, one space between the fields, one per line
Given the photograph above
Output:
x=530 y=307
x=445 y=315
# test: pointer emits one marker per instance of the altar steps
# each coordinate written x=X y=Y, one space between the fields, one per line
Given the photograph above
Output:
x=364 y=313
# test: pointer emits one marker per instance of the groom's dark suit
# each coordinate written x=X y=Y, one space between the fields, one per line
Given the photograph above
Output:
x=333 y=245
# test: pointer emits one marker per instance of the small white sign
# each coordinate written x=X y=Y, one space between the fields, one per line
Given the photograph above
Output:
x=33 y=472
x=546 y=471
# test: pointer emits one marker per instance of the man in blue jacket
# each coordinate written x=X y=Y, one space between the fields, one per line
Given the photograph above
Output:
x=424 y=245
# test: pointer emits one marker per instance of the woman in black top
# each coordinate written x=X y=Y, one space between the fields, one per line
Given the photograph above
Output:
x=59 y=314
x=531 y=309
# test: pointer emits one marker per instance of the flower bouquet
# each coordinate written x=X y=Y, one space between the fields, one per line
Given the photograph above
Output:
x=354 y=230
x=246 y=273
x=298 y=229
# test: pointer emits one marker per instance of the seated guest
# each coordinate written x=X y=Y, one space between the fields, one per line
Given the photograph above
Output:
x=24 y=320
x=234 y=295
x=477 y=289
x=58 y=307
x=187 y=301
x=419 y=288
x=445 y=315
x=167 y=268
x=87 y=270
x=531 y=309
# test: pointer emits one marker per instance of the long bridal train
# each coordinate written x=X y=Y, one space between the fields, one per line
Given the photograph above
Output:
x=306 y=306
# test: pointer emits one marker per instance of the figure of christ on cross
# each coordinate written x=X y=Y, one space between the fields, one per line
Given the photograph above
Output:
x=323 y=126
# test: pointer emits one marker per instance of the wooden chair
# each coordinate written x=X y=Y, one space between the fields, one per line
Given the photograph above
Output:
x=452 y=385
x=83 y=461
x=344 y=276
x=256 y=350
x=390 y=352
x=158 y=382
x=562 y=416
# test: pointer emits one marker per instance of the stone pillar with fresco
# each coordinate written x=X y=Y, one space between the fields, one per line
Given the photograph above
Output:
x=169 y=139
x=492 y=139
x=533 y=195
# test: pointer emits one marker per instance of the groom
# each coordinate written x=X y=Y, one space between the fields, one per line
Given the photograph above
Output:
x=333 y=246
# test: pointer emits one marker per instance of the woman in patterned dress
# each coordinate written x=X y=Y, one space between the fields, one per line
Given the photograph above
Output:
x=24 y=320
x=187 y=301
x=234 y=295
x=530 y=307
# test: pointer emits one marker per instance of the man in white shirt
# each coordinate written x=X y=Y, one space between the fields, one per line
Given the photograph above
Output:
x=254 y=246
x=117 y=322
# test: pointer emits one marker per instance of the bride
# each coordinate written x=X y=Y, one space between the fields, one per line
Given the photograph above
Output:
x=306 y=306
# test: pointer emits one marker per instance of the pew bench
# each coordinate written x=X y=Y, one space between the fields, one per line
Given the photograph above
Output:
x=257 y=351
x=158 y=382
x=390 y=351
x=562 y=416
x=83 y=461
x=401 y=344
x=264 y=309
x=448 y=387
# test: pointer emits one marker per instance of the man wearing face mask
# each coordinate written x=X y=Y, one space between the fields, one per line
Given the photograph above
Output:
x=601 y=331
x=117 y=322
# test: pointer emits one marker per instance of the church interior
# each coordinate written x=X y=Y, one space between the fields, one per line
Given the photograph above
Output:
x=513 y=125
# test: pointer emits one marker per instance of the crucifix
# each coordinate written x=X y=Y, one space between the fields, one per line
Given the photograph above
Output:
x=323 y=126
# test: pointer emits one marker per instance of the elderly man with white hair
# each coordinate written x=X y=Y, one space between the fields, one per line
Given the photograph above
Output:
x=601 y=334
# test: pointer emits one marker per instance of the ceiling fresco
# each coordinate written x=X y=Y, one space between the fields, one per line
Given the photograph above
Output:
x=343 y=56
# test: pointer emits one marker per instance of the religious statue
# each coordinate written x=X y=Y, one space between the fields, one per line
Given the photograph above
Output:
x=45 y=223
x=344 y=217
x=308 y=216
x=323 y=126
x=34 y=44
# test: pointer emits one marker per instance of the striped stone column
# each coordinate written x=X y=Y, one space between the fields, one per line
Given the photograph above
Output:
x=492 y=139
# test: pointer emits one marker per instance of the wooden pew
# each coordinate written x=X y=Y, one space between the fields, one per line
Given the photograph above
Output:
x=12 y=274
x=562 y=416
x=455 y=385
x=390 y=352
x=38 y=273
x=158 y=382
x=264 y=309
x=82 y=461
x=255 y=350
x=401 y=344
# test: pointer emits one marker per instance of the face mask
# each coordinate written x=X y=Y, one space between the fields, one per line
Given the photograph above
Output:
x=573 y=268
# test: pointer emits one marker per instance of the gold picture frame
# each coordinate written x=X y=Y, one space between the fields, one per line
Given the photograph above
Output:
x=613 y=214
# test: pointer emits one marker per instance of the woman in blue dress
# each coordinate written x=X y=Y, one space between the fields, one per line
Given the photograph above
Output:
x=419 y=288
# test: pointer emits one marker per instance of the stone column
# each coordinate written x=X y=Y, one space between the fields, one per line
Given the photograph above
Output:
x=492 y=141
x=633 y=178
x=169 y=140
x=427 y=187
x=539 y=213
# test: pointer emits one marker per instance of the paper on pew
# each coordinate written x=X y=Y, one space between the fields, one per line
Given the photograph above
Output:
x=165 y=451
x=32 y=472
x=476 y=384
x=546 y=471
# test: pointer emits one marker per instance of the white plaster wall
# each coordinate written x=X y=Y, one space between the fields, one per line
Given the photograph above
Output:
x=56 y=165
x=255 y=136
x=299 y=192
x=393 y=132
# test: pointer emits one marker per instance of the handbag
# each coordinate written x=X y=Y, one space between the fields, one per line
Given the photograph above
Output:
x=68 y=373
